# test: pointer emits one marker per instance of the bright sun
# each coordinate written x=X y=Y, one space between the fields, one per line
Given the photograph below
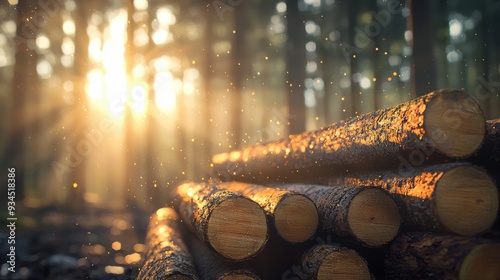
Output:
x=108 y=87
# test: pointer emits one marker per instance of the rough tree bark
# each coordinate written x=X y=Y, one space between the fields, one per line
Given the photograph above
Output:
x=455 y=197
x=294 y=215
x=489 y=154
x=213 y=267
x=232 y=225
x=420 y=255
x=367 y=215
x=444 y=123
x=166 y=255
x=328 y=261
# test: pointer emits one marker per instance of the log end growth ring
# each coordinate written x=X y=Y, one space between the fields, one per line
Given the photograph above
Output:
x=466 y=200
x=454 y=123
x=482 y=262
x=237 y=228
x=374 y=217
x=344 y=264
x=296 y=218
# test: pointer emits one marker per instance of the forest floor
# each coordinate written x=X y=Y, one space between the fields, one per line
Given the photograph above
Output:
x=52 y=243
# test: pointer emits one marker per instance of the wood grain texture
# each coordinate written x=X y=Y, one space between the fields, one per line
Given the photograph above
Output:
x=232 y=225
x=330 y=261
x=293 y=215
x=420 y=255
x=211 y=266
x=367 y=215
x=459 y=198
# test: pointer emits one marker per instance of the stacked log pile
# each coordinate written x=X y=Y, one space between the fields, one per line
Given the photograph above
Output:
x=407 y=192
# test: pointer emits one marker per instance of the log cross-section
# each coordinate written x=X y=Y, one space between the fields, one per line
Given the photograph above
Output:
x=211 y=266
x=367 y=215
x=328 y=261
x=455 y=197
x=418 y=255
x=166 y=255
x=230 y=224
x=294 y=215
x=442 y=124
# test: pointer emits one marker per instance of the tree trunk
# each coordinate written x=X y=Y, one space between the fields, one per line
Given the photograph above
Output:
x=431 y=256
x=24 y=83
x=213 y=267
x=294 y=215
x=295 y=67
x=424 y=68
x=454 y=197
x=166 y=255
x=80 y=111
x=426 y=129
x=232 y=225
x=328 y=261
x=368 y=216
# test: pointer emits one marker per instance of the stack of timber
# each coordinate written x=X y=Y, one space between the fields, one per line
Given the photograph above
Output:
x=408 y=192
x=429 y=129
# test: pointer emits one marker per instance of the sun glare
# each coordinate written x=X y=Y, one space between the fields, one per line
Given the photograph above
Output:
x=107 y=83
x=110 y=87
x=165 y=91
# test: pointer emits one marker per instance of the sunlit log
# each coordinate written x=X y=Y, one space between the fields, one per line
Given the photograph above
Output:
x=432 y=256
x=166 y=255
x=294 y=215
x=367 y=215
x=442 y=124
x=230 y=224
x=456 y=197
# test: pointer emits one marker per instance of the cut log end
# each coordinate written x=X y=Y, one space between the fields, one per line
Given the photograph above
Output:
x=343 y=264
x=237 y=228
x=454 y=124
x=374 y=217
x=296 y=218
x=178 y=277
x=240 y=276
x=466 y=200
x=481 y=263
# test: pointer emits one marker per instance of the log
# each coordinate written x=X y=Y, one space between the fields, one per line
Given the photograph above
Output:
x=230 y=224
x=367 y=215
x=328 y=261
x=434 y=256
x=489 y=154
x=166 y=255
x=492 y=143
x=213 y=267
x=442 y=124
x=458 y=198
x=294 y=215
